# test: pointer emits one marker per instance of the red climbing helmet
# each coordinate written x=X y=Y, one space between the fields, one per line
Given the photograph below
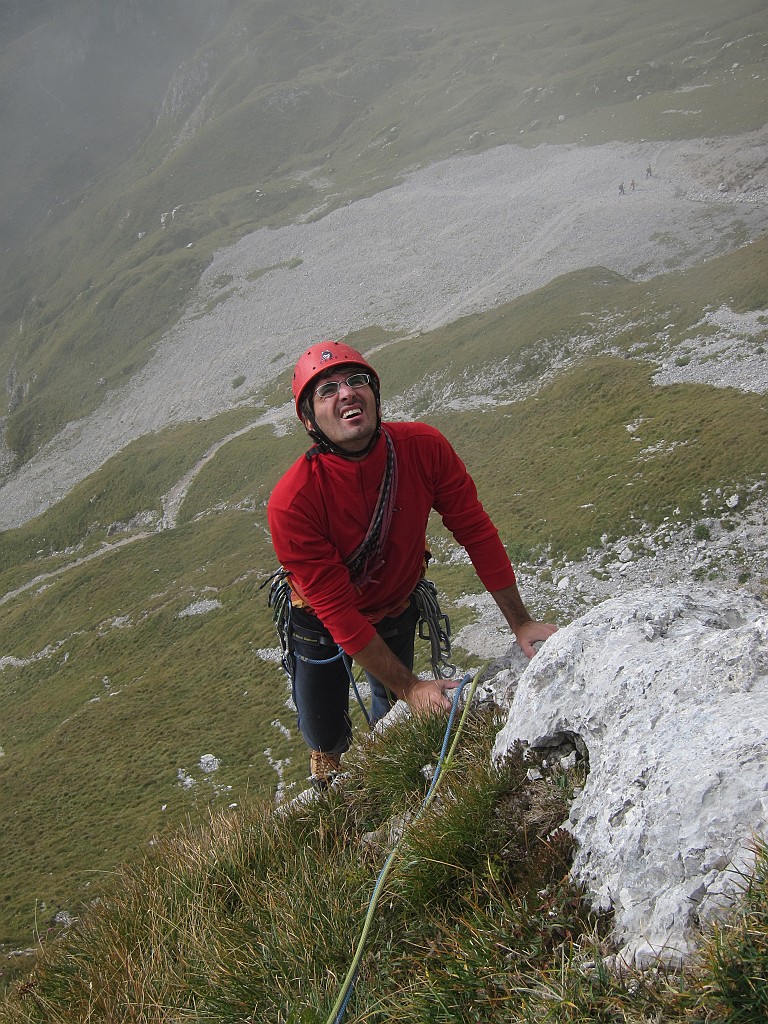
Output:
x=318 y=358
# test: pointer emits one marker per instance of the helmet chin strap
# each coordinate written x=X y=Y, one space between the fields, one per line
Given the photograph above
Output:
x=324 y=444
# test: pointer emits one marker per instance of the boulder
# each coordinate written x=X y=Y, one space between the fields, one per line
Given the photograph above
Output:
x=667 y=692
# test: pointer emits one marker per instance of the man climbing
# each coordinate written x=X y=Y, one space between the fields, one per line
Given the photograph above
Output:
x=348 y=523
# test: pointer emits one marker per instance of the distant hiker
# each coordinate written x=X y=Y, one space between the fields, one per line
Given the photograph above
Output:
x=621 y=189
x=348 y=523
x=648 y=171
x=633 y=184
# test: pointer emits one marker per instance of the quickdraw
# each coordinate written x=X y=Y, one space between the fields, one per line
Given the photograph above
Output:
x=279 y=600
x=437 y=627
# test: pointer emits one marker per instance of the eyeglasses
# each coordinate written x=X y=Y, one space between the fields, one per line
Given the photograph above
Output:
x=331 y=387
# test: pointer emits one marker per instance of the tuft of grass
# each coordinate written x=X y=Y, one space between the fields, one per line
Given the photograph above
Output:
x=735 y=957
x=254 y=914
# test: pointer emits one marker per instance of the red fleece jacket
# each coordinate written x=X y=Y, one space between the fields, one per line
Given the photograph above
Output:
x=320 y=510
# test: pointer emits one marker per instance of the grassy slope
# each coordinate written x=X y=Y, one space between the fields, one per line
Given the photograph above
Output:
x=256 y=915
x=129 y=693
x=95 y=731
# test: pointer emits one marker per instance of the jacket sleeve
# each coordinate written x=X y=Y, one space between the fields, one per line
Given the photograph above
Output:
x=457 y=502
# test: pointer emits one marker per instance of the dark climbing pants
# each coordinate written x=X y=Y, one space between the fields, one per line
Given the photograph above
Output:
x=321 y=677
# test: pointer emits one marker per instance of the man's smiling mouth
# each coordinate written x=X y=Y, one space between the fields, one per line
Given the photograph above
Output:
x=349 y=413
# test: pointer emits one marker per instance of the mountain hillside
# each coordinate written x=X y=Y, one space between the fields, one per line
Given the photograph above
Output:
x=277 y=113
x=466 y=234
x=196 y=191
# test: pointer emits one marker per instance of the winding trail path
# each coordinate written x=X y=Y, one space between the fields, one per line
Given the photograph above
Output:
x=457 y=237
x=171 y=504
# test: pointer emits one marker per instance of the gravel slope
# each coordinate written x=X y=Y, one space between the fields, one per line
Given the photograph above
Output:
x=460 y=236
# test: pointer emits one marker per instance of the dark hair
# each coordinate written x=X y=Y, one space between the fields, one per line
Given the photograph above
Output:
x=306 y=407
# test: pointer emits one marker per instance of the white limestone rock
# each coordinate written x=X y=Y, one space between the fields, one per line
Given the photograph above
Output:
x=668 y=691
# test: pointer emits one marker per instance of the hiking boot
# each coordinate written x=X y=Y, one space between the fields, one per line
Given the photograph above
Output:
x=324 y=768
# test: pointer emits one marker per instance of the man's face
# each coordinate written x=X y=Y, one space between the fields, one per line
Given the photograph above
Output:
x=348 y=418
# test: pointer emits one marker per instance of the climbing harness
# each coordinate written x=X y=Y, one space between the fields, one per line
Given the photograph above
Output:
x=443 y=763
x=433 y=626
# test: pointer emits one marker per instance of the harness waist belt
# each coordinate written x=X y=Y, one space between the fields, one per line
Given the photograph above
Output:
x=314 y=636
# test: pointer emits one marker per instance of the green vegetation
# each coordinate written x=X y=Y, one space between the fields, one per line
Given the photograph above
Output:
x=101 y=652
x=579 y=453
x=129 y=484
x=116 y=692
x=256 y=915
x=254 y=275
x=131 y=651
x=242 y=472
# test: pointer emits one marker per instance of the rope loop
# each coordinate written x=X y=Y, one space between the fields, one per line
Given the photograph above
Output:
x=319 y=661
x=435 y=627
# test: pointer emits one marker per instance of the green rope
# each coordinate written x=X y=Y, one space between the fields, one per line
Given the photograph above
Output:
x=444 y=762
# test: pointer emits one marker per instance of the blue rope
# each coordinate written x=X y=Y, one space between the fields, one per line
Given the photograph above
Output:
x=339 y=1009
x=319 y=661
x=353 y=681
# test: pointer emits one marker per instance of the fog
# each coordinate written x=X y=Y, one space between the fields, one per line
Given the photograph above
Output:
x=81 y=82
x=141 y=139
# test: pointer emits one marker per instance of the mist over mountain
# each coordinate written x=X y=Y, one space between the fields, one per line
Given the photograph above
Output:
x=144 y=137
x=82 y=84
